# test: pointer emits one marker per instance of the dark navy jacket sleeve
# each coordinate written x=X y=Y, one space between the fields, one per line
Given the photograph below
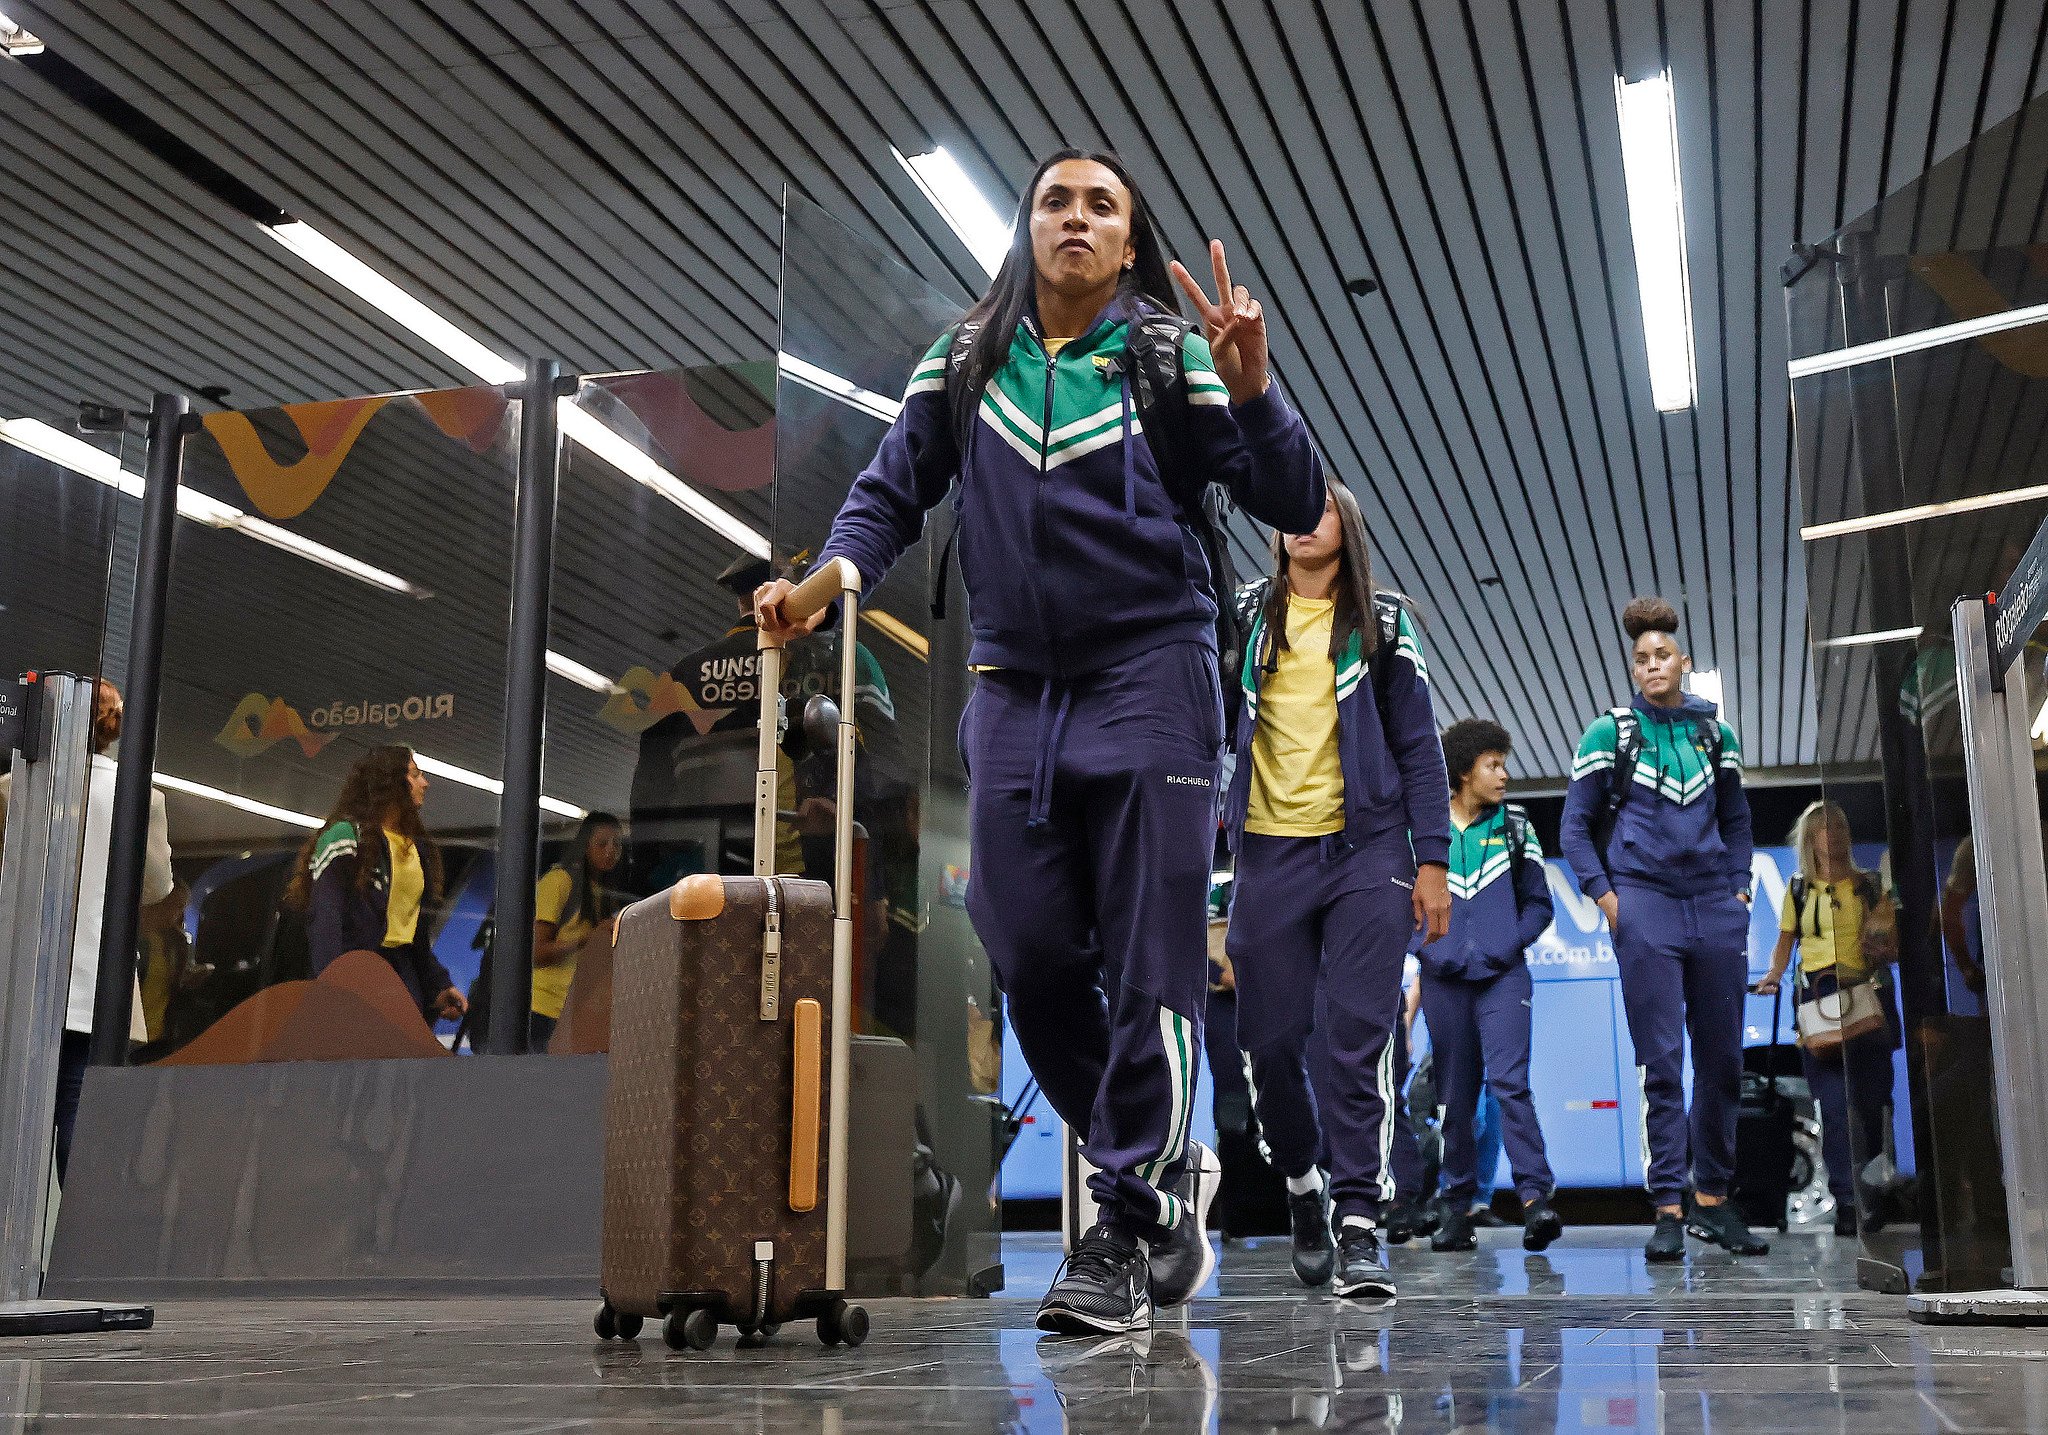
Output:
x=1731 y=807
x=1418 y=751
x=1592 y=770
x=1532 y=896
x=910 y=473
x=1261 y=451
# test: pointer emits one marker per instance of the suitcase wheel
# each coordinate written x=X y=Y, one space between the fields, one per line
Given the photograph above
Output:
x=611 y=1324
x=843 y=1324
x=689 y=1330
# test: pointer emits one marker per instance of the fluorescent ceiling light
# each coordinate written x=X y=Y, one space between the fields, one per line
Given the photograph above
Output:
x=1921 y=512
x=438 y=768
x=964 y=208
x=1864 y=640
x=1656 y=216
x=576 y=673
x=381 y=294
x=633 y=461
x=235 y=799
x=494 y=368
x=1912 y=343
x=831 y=385
x=74 y=453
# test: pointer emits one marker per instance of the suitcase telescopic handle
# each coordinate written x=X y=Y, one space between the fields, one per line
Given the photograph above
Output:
x=836 y=579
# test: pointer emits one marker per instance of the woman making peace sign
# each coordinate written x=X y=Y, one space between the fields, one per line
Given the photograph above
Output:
x=1092 y=736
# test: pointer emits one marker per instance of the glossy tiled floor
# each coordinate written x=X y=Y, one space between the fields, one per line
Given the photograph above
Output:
x=1583 y=1338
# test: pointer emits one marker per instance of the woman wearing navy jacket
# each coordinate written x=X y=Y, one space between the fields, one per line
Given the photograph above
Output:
x=1339 y=816
x=1476 y=988
x=1094 y=732
x=1656 y=826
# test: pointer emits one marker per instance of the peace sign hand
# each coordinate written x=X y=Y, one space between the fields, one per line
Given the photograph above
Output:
x=1235 y=326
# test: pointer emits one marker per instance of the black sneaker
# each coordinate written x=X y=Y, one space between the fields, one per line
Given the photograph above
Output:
x=1315 y=1254
x=1483 y=1218
x=1455 y=1234
x=1361 y=1264
x=1722 y=1224
x=1408 y=1218
x=1540 y=1225
x=1845 y=1218
x=1104 y=1286
x=1184 y=1261
x=1667 y=1242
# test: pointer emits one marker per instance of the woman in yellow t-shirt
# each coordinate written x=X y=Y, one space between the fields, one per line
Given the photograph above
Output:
x=570 y=903
x=1841 y=920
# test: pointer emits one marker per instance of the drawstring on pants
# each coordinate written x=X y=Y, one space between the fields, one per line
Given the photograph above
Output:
x=1049 y=736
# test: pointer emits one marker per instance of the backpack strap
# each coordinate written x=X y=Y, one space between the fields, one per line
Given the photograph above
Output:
x=1516 y=822
x=960 y=406
x=1796 y=892
x=1628 y=747
x=1386 y=612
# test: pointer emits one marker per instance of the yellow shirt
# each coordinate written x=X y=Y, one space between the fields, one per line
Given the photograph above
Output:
x=408 y=889
x=1297 y=776
x=550 y=897
x=1830 y=928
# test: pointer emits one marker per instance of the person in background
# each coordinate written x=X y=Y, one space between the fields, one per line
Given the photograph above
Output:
x=1656 y=825
x=367 y=875
x=571 y=901
x=1476 y=987
x=157 y=881
x=1844 y=925
x=1339 y=818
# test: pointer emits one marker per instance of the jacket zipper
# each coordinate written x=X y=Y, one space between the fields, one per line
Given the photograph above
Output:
x=1038 y=528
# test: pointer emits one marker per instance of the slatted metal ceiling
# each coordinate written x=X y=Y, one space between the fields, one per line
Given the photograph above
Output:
x=601 y=180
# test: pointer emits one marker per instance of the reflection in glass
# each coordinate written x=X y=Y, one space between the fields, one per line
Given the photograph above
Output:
x=350 y=631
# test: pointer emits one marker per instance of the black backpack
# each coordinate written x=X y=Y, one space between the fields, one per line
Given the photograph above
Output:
x=1628 y=747
x=1160 y=393
x=1516 y=821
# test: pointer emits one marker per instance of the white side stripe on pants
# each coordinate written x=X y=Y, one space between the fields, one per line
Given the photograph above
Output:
x=1383 y=1077
x=1176 y=1034
x=1643 y=1121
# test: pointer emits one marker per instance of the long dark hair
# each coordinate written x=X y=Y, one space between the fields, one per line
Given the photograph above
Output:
x=1353 y=592
x=588 y=897
x=1011 y=293
x=374 y=788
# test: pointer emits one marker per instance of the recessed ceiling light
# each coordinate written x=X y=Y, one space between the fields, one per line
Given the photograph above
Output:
x=1656 y=214
x=965 y=208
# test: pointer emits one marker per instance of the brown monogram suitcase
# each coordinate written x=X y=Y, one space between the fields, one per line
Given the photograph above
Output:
x=725 y=1154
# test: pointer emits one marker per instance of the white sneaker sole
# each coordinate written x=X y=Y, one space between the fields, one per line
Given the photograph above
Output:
x=1379 y=1287
x=1064 y=1320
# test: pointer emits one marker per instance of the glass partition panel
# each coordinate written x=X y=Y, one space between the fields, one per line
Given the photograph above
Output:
x=661 y=537
x=854 y=325
x=339 y=601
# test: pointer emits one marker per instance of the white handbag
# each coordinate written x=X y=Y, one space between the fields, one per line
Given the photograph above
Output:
x=1831 y=1018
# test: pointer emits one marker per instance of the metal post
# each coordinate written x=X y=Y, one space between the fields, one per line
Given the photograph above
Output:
x=2012 y=895
x=45 y=841
x=526 y=673
x=128 y=837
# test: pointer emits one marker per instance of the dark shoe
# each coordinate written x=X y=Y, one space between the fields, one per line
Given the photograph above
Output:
x=1104 y=1286
x=1484 y=1218
x=1408 y=1218
x=1361 y=1264
x=1540 y=1225
x=1315 y=1253
x=1184 y=1261
x=1667 y=1242
x=935 y=1196
x=1722 y=1224
x=1845 y=1217
x=1455 y=1233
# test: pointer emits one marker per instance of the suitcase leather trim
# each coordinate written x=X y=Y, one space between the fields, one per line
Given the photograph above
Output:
x=697 y=898
x=807 y=1090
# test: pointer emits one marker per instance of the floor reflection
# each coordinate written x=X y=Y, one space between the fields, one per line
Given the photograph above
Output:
x=1581 y=1338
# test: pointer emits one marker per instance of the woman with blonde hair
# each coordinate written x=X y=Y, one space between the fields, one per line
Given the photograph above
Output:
x=1845 y=926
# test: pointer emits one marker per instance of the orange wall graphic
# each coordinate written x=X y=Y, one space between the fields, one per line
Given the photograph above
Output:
x=259 y=724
